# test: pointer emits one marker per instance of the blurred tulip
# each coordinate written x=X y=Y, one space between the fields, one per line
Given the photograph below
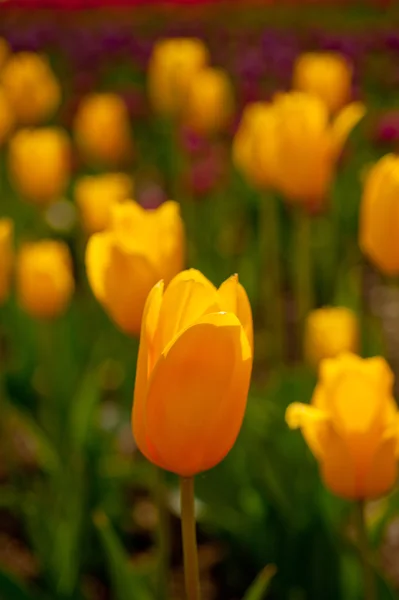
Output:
x=138 y=249
x=95 y=196
x=193 y=372
x=173 y=65
x=308 y=147
x=379 y=212
x=31 y=87
x=6 y=117
x=254 y=145
x=327 y=75
x=5 y=52
x=330 y=332
x=209 y=104
x=6 y=257
x=102 y=129
x=352 y=426
x=39 y=163
x=45 y=282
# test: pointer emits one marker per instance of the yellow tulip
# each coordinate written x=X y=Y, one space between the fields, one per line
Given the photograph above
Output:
x=379 y=215
x=102 y=129
x=31 y=87
x=352 y=426
x=327 y=75
x=5 y=52
x=308 y=146
x=254 y=145
x=330 y=332
x=138 y=249
x=95 y=196
x=6 y=257
x=173 y=65
x=209 y=104
x=39 y=164
x=6 y=117
x=193 y=372
x=45 y=282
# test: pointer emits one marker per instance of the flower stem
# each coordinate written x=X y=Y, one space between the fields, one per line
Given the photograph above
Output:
x=303 y=275
x=163 y=536
x=191 y=572
x=271 y=278
x=365 y=553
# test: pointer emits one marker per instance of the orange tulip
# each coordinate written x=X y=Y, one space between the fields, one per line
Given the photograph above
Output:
x=96 y=195
x=138 y=249
x=379 y=214
x=329 y=332
x=193 y=372
x=44 y=278
x=173 y=65
x=327 y=75
x=4 y=52
x=209 y=104
x=39 y=163
x=352 y=426
x=6 y=117
x=102 y=129
x=6 y=257
x=31 y=87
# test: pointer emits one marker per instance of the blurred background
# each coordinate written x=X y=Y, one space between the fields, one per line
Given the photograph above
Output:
x=92 y=113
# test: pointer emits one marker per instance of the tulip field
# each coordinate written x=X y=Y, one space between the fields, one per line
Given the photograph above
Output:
x=199 y=302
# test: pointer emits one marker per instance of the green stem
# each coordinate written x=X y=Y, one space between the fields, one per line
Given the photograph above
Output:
x=163 y=536
x=303 y=275
x=191 y=571
x=365 y=553
x=271 y=276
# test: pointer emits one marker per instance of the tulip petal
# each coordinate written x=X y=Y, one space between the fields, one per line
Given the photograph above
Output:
x=337 y=467
x=98 y=256
x=313 y=423
x=187 y=298
x=193 y=411
x=383 y=471
x=346 y=120
x=234 y=299
x=145 y=364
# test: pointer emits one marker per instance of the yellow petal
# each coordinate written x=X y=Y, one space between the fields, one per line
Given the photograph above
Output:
x=197 y=395
x=313 y=423
x=346 y=120
x=383 y=469
x=337 y=467
x=233 y=298
x=188 y=297
x=145 y=364
x=98 y=256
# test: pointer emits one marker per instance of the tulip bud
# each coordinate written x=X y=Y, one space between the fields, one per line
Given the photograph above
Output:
x=379 y=215
x=102 y=129
x=330 y=332
x=39 y=164
x=193 y=372
x=173 y=65
x=327 y=75
x=96 y=196
x=209 y=104
x=308 y=147
x=6 y=117
x=254 y=145
x=31 y=87
x=138 y=249
x=351 y=426
x=44 y=278
x=6 y=257
x=4 y=52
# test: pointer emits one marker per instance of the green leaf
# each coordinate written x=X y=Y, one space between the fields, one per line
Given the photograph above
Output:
x=83 y=406
x=261 y=584
x=127 y=583
x=20 y=422
x=11 y=589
